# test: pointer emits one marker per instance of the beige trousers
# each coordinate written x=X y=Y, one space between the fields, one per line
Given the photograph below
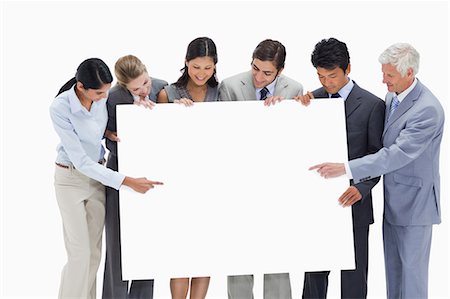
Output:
x=81 y=201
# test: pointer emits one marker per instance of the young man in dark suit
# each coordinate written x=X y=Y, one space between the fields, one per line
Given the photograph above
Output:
x=364 y=114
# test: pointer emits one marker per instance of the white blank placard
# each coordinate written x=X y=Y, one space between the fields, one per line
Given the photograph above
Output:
x=238 y=197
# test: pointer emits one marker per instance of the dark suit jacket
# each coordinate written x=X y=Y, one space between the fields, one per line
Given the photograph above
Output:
x=364 y=114
x=119 y=95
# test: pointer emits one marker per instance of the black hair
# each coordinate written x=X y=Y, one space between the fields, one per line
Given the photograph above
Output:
x=329 y=54
x=271 y=50
x=92 y=73
x=199 y=47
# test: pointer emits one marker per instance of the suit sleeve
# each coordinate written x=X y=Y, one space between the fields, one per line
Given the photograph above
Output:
x=300 y=90
x=374 y=143
x=224 y=94
x=157 y=86
x=111 y=107
x=412 y=141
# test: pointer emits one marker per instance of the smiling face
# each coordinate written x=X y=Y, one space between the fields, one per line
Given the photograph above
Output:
x=263 y=72
x=394 y=81
x=200 y=70
x=333 y=80
x=141 y=86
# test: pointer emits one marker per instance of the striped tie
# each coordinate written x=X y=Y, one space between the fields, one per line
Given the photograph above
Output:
x=394 y=104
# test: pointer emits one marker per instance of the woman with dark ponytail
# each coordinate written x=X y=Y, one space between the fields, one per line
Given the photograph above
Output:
x=79 y=117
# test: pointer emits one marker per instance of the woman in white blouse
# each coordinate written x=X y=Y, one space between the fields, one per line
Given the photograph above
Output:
x=79 y=116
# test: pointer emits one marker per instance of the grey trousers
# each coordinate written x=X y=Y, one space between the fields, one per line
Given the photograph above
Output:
x=406 y=258
x=113 y=285
x=276 y=286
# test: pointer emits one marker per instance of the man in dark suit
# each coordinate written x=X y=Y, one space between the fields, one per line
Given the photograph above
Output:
x=364 y=114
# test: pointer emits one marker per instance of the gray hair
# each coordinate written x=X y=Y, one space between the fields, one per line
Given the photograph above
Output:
x=403 y=56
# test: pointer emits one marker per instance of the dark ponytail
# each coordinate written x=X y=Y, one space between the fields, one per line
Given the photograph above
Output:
x=92 y=73
x=67 y=86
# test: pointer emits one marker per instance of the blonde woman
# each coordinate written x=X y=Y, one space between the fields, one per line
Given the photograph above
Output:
x=134 y=86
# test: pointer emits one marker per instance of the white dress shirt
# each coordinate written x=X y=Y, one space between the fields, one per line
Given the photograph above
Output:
x=345 y=90
x=270 y=88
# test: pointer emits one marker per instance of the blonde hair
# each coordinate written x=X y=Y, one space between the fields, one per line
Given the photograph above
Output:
x=128 y=68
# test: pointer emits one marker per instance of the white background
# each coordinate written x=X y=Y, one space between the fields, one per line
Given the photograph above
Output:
x=44 y=42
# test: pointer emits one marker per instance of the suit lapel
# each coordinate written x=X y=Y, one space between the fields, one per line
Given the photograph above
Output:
x=280 y=86
x=404 y=106
x=247 y=88
x=353 y=100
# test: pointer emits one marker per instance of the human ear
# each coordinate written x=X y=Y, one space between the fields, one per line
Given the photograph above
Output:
x=410 y=72
x=80 y=85
x=279 y=71
x=347 y=71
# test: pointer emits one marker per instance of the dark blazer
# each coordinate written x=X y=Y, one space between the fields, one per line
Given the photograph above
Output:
x=364 y=114
x=119 y=95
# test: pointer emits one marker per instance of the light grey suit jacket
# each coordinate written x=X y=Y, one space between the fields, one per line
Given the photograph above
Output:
x=240 y=88
x=409 y=160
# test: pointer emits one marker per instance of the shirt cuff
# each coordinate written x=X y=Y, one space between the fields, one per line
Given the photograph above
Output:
x=117 y=180
x=348 y=171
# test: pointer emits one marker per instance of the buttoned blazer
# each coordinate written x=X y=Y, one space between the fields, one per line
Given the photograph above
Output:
x=364 y=116
x=409 y=160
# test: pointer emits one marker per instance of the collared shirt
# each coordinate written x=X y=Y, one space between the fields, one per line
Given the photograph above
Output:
x=401 y=96
x=81 y=133
x=346 y=89
x=270 y=87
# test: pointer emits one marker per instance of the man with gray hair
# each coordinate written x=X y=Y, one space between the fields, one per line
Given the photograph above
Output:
x=409 y=161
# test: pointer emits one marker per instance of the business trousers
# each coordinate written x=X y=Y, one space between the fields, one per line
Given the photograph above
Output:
x=113 y=285
x=353 y=282
x=81 y=203
x=276 y=286
x=406 y=258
